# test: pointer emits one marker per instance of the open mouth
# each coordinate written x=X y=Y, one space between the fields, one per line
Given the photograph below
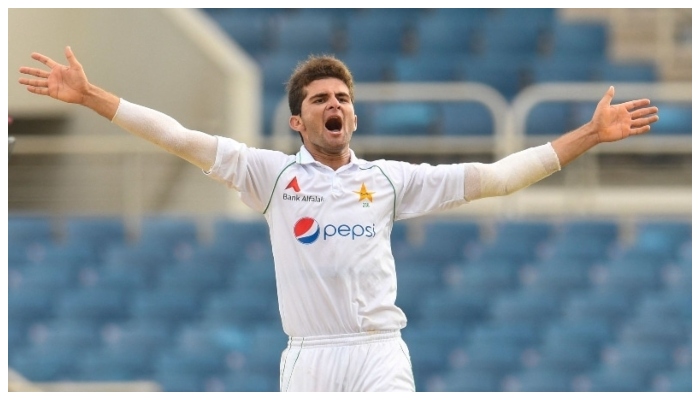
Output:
x=334 y=124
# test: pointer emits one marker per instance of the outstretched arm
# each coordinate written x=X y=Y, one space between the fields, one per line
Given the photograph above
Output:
x=69 y=83
x=609 y=123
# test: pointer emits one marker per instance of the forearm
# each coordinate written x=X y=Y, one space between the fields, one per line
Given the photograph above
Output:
x=517 y=171
x=162 y=130
x=101 y=101
x=573 y=144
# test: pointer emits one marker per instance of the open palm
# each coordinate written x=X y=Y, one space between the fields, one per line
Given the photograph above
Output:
x=616 y=122
x=63 y=82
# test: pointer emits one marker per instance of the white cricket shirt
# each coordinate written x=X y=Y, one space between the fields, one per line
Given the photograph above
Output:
x=330 y=230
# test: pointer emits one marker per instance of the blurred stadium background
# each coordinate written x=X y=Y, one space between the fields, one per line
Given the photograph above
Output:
x=129 y=270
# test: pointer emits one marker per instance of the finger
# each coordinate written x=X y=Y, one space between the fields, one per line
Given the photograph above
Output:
x=644 y=121
x=644 y=112
x=72 y=61
x=640 y=130
x=34 y=71
x=631 y=105
x=607 y=98
x=38 y=90
x=44 y=60
x=34 y=82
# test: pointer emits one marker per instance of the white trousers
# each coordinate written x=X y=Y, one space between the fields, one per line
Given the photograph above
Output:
x=364 y=362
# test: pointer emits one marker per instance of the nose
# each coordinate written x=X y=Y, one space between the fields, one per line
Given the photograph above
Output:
x=333 y=102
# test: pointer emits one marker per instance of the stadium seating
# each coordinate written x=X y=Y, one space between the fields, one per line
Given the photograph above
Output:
x=548 y=306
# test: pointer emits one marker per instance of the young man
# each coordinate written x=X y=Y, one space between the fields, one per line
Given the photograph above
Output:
x=330 y=214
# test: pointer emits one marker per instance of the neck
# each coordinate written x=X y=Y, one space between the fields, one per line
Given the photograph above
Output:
x=332 y=160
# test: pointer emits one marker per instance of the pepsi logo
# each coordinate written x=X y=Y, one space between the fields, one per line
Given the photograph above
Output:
x=307 y=230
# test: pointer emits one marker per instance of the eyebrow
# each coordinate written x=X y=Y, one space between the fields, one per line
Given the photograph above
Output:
x=324 y=95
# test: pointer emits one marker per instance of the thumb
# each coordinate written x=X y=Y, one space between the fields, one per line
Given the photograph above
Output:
x=607 y=98
x=72 y=61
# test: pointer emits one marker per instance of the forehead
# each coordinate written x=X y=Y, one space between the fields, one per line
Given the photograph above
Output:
x=326 y=86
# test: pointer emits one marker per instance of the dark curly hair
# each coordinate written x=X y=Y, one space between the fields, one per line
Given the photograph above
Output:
x=313 y=68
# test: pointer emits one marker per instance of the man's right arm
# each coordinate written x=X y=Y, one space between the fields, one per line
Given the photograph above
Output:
x=69 y=83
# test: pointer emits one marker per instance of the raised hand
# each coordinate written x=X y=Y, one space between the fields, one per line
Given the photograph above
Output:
x=63 y=82
x=618 y=121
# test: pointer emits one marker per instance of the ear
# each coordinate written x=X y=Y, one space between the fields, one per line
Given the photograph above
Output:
x=355 y=117
x=296 y=123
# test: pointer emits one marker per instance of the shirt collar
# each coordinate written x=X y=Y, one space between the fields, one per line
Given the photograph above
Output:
x=304 y=157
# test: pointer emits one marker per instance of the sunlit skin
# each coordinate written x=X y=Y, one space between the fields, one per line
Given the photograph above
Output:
x=327 y=100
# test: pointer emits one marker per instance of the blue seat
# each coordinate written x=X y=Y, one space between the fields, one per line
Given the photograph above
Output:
x=676 y=380
x=267 y=343
x=46 y=363
x=53 y=278
x=519 y=334
x=376 y=33
x=659 y=330
x=255 y=275
x=172 y=233
x=415 y=278
x=171 y=306
x=593 y=239
x=524 y=305
x=241 y=237
x=632 y=276
x=567 y=355
x=98 y=233
x=612 y=379
x=69 y=255
x=429 y=67
x=220 y=335
x=93 y=304
x=667 y=303
x=549 y=118
x=579 y=39
x=241 y=307
x=520 y=241
x=674 y=118
x=662 y=237
x=406 y=118
x=466 y=118
x=25 y=230
x=140 y=258
x=453 y=32
x=75 y=335
x=540 y=379
x=590 y=333
x=200 y=279
x=179 y=382
x=607 y=305
x=138 y=336
x=470 y=380
x=489 y=278
x=562 y=69
x=560 y=276
x=516 y=31
x=30 y=304
x=643 y=358
x=430 y=346
x=123 y=279
x=495 y=358
x=249 y=29
x=114 y=364
x=243 y=381
x=453 y=308
x=201 y=363
x=503 y=72
x=629 y=72
x=376 y=68
x=446 y=241
x=305 y=33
